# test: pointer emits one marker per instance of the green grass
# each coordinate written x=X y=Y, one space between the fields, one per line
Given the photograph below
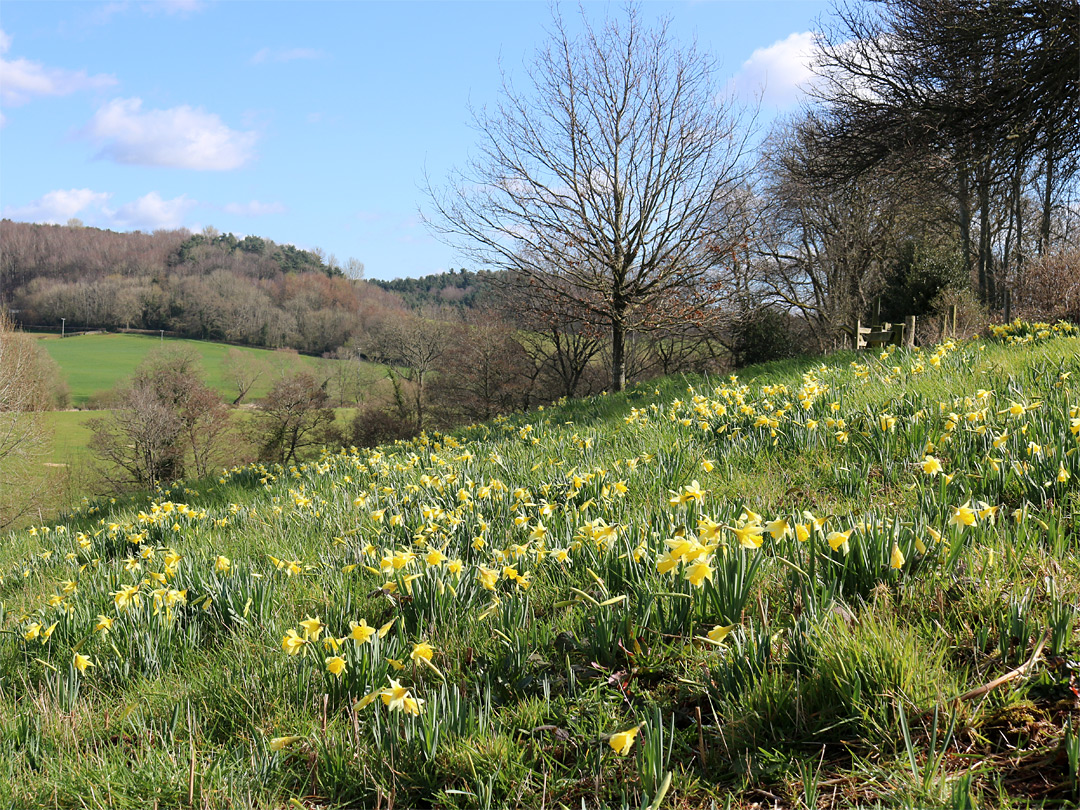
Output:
x=95 y=364
x=837 y=683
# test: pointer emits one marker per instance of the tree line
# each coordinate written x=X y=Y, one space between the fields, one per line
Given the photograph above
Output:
x=204 y=286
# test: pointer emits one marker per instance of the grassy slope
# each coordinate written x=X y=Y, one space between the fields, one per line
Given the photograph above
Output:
x=831 y=655
x=94 y=364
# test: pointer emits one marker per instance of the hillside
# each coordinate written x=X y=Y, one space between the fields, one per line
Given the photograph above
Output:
x=204 y=286
x=839 y=583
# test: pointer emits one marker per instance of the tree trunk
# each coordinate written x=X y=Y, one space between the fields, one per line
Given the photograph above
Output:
x=420 y=402
x=618 y=354
x=964 y=200
x=1048 y=197
x=986 y=259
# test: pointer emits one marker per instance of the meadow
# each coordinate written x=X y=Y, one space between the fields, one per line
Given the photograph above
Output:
x=821 y=583
x=94 y=364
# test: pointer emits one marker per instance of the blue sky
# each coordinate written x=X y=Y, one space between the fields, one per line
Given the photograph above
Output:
x=305 y=122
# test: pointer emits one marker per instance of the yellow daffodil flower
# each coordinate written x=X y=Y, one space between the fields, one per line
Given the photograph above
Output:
x=422 y=650
x=312 y=628
x=720 y=632
x=623 y=741
x=361 y=633
x=335 y=665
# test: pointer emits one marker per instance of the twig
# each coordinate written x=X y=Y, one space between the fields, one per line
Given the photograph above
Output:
x=700 y=736
x=979 y=691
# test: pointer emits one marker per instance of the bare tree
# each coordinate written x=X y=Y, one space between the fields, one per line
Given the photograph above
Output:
x=294 y=416
x=138 y=441
x=984 y=95
x=410 y=348
x=166 y=418
x=24 y=393
x=244 y=369
x=610 y=172
x=484 y=371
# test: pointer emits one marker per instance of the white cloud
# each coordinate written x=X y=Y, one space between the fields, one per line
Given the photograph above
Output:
x=22 y=79
x=285 y=55
x=780 y=72
x=180 y=137
x=150 y=212
x=254 y=209
x=59 y=206
x=175 y=6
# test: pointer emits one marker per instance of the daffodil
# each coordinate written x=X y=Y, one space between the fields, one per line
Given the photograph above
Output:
x=421 y=650
x=279 y=743
x=126 y=597
x=361 y=633
x=222 y=564
x=312 y=628
x=750 y=535
x=397 y=698
x=335 y=665
x=720 y=632
x=104 y=623
x=623 y=741
x=838 y=539
x=699 y=571
x=293 y=642
x=931 y=466
x=667 y=562
x=82 y=662
x=962 y=515
x=778 y=528
x=896 y=558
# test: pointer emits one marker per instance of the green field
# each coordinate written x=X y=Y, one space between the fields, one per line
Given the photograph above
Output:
x=850 y=582
x=94 y=364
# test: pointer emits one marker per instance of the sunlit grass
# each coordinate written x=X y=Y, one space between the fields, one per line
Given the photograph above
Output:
x=699 y=591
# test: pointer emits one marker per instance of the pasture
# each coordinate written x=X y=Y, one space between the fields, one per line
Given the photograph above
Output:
x=95 y=363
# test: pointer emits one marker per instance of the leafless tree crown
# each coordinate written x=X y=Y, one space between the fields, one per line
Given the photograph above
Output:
x=606 y=178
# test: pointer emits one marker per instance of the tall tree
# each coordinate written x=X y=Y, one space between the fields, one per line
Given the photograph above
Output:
x=984 y=95
x=607 y=177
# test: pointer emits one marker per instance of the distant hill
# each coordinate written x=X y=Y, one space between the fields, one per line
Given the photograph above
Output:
x=204 y=286
x=458 y=289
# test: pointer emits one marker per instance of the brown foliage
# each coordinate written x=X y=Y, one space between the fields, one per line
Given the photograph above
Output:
x=1049 y=288
x=165 y=423
x=294 y=417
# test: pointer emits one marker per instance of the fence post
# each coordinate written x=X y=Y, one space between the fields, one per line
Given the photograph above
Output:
x=909 y=331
